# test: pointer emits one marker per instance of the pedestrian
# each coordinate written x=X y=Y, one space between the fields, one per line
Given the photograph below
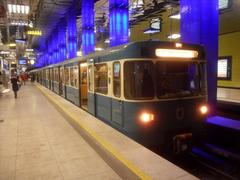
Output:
x=14 y=81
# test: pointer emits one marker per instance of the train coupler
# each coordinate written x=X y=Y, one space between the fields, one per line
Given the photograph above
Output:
x=182 y=142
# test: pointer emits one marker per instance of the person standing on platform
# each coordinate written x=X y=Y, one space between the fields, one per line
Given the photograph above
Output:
x=14 y=81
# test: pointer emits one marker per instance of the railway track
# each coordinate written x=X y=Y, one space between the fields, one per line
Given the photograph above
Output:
x=206 y=165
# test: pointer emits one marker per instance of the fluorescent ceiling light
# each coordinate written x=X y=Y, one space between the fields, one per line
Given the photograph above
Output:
x=79 y=53
x=176 y=53
x=174 y=36
x=107 y=41
x=98 y=49
x=175 y=16
x=26 y=9
x=29 y=50
x=151 y=31
x=14 y=8
x=10 y=8
x=19 y=9
x=12 y=45
x=22 y=9
x=32 y=62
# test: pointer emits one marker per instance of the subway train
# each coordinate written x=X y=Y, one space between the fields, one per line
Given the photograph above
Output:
x=154 y=92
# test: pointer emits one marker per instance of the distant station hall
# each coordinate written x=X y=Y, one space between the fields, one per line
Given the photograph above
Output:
x=119 y=89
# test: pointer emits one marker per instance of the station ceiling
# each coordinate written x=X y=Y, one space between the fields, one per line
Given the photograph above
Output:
x=47 y=13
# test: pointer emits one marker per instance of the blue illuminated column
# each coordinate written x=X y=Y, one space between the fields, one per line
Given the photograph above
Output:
x=50 y=50
x=118 y=26
x=72 y=33
x=62 y=41
x=88 y=40
x=56 y=51
x=199 y=25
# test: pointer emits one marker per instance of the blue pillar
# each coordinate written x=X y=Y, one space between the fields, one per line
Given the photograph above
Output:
x=199 y=25
x=88 y=39
x=55 y=49
x=119 y=26
x=62 y=41
x=72 y=33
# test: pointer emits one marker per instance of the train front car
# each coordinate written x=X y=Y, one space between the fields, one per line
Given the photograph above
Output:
x=165 y=97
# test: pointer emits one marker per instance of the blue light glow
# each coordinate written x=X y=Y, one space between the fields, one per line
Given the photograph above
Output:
x=72 y=33
x=199 y=25
x=88 y=41
x=62 y=41
x=119 y=26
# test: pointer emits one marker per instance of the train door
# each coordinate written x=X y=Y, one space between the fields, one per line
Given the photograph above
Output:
x=90 y=86
x=83 y=86
x=117 y=104
x=60 y=70
x=50 y=78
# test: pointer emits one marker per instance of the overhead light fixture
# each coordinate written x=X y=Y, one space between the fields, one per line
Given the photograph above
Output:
x=29 y=50
x=107 y=41
x=175 y=16
x=20 y=40
x=12 y=45
x=174 y=36
x=19 y=23
x=34 y=32
x=18 y=9
x=32 y=62
x=4 y=52
x=151 y=31
x=79 y=53
x=10 y=8
x=98 y=49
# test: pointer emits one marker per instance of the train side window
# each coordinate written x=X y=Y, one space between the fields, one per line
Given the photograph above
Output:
x=75 y=73
x=57 y=75
x=66 y=76
x=117 y=79
x=72 y=76
x=90 y=78
x=101 y=78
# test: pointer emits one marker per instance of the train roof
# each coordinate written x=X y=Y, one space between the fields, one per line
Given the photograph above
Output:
x=139 y=49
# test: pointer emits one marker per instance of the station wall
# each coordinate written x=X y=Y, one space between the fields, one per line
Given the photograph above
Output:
x=229 y=46
x=169 y=26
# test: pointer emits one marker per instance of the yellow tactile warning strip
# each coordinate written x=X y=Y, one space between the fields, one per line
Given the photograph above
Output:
x=108 y=147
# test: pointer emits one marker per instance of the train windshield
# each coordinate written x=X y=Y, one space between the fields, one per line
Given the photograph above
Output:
x=177 y=79
x=138 y=80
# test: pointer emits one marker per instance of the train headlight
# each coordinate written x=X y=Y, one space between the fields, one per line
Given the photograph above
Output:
x=146 y=117
x=204 y=109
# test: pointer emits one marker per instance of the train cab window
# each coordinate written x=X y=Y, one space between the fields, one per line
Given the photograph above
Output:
x=177 y=79
x=138 y=80
x=117 y=79
x=101 y=78
x=90 y=78
x=66 y=76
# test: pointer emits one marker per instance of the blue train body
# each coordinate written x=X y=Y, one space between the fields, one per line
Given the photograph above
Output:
x=154 y=98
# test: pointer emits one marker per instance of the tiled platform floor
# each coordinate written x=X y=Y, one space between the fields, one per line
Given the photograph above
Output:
x=36 y=142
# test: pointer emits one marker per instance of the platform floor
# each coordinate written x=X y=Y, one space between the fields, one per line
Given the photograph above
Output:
x=36 y=142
